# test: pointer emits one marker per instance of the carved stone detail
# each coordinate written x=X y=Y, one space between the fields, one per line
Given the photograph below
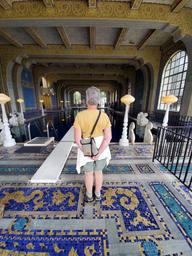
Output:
x=146 y=12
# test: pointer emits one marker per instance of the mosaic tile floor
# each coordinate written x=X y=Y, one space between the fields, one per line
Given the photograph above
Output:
x=143 y=211
x=10 y=154
x=134 y=152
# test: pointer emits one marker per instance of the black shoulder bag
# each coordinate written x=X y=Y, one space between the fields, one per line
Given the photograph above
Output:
x=89 y=147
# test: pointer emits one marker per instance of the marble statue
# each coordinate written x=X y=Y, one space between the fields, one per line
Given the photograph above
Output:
x=131 y=133
x=142 y=119
x=20 y=119
x=2 y=135
x=148 y=137
x=1 y=124
x=13 y=120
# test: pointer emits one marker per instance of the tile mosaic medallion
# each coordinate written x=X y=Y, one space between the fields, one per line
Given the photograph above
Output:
x=42 y=200
x=144 y=168
x=54 y=242
x=135 y=215
x=180 y=215
x=150 y=248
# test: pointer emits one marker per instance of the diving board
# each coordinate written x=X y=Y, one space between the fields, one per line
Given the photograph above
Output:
x=52 y=167
x=39 y=141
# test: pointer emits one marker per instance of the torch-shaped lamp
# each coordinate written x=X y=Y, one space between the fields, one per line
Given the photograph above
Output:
x=42 y=109
x=8 y=141
x=168 y=100
x=20 y=101
x=127 y=100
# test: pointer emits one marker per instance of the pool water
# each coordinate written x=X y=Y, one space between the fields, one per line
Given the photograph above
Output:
x=62 y=121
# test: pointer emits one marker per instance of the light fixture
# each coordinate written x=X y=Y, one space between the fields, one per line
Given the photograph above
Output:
x=168 y=100
x=127 y=100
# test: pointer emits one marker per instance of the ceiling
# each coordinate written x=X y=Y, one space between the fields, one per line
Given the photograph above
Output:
x=72 y=33
x=88 y=33
x=7 y=4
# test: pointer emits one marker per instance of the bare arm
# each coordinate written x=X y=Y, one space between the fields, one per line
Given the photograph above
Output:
x=105 y=142
x=77 y=137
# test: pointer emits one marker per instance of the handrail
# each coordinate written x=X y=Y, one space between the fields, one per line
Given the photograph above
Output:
x=180 y=130
x=47 y=126
x=29 y=130
x=177 y=127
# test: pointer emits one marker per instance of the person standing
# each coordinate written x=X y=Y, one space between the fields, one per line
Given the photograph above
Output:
x=92 y=166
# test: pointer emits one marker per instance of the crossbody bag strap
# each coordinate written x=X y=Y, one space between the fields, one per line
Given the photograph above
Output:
x=95 y=123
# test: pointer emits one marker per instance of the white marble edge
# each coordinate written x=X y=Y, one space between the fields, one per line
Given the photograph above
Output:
x=52 y=167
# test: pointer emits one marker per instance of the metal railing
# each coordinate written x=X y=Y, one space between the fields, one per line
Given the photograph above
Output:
x=173 y=149
x=50 y=124
x=29 y=130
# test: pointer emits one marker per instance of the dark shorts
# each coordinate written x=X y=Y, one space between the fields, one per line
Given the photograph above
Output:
x=94 y=166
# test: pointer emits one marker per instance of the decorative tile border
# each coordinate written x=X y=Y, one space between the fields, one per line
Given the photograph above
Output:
x=120 y=168
x=17 y=170
x=118 y=152
x=54 y=242
x=183 y=190
x=175 y=209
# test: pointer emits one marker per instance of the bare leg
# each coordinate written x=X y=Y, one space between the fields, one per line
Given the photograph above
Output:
x=98 y=182
x=89 y=182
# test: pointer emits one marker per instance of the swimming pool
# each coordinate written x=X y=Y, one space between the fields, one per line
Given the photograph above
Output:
x=60 y=122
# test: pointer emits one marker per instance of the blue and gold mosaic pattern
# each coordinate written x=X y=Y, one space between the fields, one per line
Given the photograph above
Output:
x=53 y=242
x=128 y=169
x=183 y=190
x=176 y=210
x=7 y=170
x=129 y=200
x=129 y=207
x=118 y=152
x=41 y=200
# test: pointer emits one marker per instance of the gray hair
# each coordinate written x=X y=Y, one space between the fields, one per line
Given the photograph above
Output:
x=93 y=95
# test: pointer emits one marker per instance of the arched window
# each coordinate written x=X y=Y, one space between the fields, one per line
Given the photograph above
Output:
x=173 y=79
x=76 y=97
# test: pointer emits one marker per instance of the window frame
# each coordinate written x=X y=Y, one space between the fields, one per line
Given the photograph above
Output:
x=170 y=76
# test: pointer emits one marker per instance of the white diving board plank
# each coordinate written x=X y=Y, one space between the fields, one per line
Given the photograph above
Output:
x=52 y=167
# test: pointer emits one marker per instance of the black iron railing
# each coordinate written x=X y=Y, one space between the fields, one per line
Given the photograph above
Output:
x=173 y=149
